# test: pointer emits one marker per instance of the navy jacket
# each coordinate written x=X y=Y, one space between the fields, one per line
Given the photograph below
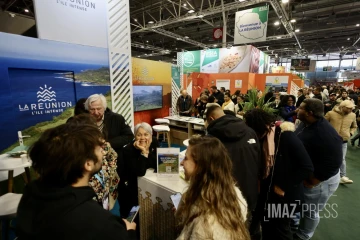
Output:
x=292 y=166
x=324 y=146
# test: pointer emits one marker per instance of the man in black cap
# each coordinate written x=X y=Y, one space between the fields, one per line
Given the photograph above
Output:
x=330 y=103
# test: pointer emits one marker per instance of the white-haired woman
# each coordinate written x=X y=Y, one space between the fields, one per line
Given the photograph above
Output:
x=137 y=157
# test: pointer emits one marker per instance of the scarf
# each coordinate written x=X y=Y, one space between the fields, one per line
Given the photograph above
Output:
x=225 y=104
x=268 y=149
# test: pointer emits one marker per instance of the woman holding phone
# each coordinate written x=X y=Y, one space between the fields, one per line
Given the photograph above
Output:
x=137 y=157
x=212 y=207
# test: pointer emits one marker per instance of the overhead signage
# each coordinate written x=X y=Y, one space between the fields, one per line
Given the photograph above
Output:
x=191 y=61
x=251 y=25
x=73 y=21
x=217 y=33
x=357 y=67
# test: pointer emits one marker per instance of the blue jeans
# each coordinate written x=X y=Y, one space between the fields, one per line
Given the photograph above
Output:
x=315 y=200
x=343 y=165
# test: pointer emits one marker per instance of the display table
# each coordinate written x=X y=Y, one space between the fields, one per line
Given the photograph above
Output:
x=157 y=219
x=182 y=128
x=11 y=167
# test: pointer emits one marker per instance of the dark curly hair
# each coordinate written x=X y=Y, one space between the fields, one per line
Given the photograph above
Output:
x=260 y=121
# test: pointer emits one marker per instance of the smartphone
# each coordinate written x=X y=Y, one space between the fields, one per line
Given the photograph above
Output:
x=133 y=212
x=175 y=198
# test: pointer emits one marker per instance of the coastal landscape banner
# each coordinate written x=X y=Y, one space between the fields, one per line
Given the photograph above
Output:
x=42 y=80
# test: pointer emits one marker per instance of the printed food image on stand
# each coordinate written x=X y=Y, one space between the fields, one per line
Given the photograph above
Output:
x=168 y=160
x=231 y=58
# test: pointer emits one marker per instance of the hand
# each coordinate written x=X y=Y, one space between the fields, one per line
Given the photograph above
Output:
x=279 y=191
x=311 y=182
x=143 y=149
x=129 y=225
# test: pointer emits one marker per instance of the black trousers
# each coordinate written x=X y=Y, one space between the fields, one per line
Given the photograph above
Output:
x=277 y=228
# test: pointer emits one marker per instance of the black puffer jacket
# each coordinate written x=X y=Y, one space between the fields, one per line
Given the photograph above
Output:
x=244 y=150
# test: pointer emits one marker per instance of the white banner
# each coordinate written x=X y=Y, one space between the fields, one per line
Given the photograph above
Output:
x=357 y=64
x=277 y=81
x=251 y=25
x=72 y=21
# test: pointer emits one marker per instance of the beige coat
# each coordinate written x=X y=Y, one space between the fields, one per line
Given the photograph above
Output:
x=195 y=230
x=343 y=124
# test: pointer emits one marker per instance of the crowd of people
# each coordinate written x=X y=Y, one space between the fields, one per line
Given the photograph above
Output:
x=255 y=160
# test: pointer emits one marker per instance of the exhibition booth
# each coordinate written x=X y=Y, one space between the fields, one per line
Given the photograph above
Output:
x=42 y=79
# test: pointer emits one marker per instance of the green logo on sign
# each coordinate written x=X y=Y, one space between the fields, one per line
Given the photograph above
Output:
x=188 y=59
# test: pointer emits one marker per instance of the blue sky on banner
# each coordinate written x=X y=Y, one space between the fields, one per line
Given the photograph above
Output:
x=12 y=46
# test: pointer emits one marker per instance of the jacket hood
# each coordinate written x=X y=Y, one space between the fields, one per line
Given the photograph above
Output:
x=337 y=110
x=227 y=128
x=40 y=203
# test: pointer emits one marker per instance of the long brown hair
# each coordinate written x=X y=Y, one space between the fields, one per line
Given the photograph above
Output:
x=211 y=189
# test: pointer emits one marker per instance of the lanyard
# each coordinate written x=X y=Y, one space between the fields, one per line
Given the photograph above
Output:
x=101 y=179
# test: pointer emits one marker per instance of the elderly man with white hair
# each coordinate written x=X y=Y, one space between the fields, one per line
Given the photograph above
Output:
x=111 y=124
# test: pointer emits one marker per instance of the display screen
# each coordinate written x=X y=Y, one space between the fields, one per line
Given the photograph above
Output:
x=147 y=97
x=300 y=64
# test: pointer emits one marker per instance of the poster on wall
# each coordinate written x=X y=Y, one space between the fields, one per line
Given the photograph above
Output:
x=235 y=59
x=277 y=82
x=251 y=25
x=223 y=83
x=152 y=82
x=238 y=83
x=210 y=61
x=357 y=67
x=300 y=64
x=191 y=61
x=80 y=22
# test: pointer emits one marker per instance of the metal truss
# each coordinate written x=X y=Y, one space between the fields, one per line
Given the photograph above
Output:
x=178 y=37
x=206 y=12
x=156 y=27
x=148 y=47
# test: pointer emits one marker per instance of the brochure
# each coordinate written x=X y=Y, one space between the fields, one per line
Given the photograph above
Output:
x=168 y=162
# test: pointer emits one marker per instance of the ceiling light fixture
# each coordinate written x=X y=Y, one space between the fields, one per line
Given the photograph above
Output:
x=348 y=39
x=191 y=11
x=215 y=45
x=278 y=37
x=26 y=10
x=276 y=23
x=200 y=16
x=186 y=37
x=357 y=25
x=184 y=5
x=292 y=20
x=297 y=30
x=242 y=0
x=150 y=22
x=135 y=19
x=284 y=1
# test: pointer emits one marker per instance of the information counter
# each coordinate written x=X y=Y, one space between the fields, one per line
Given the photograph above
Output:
x=157 y=219
x=182 y=128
